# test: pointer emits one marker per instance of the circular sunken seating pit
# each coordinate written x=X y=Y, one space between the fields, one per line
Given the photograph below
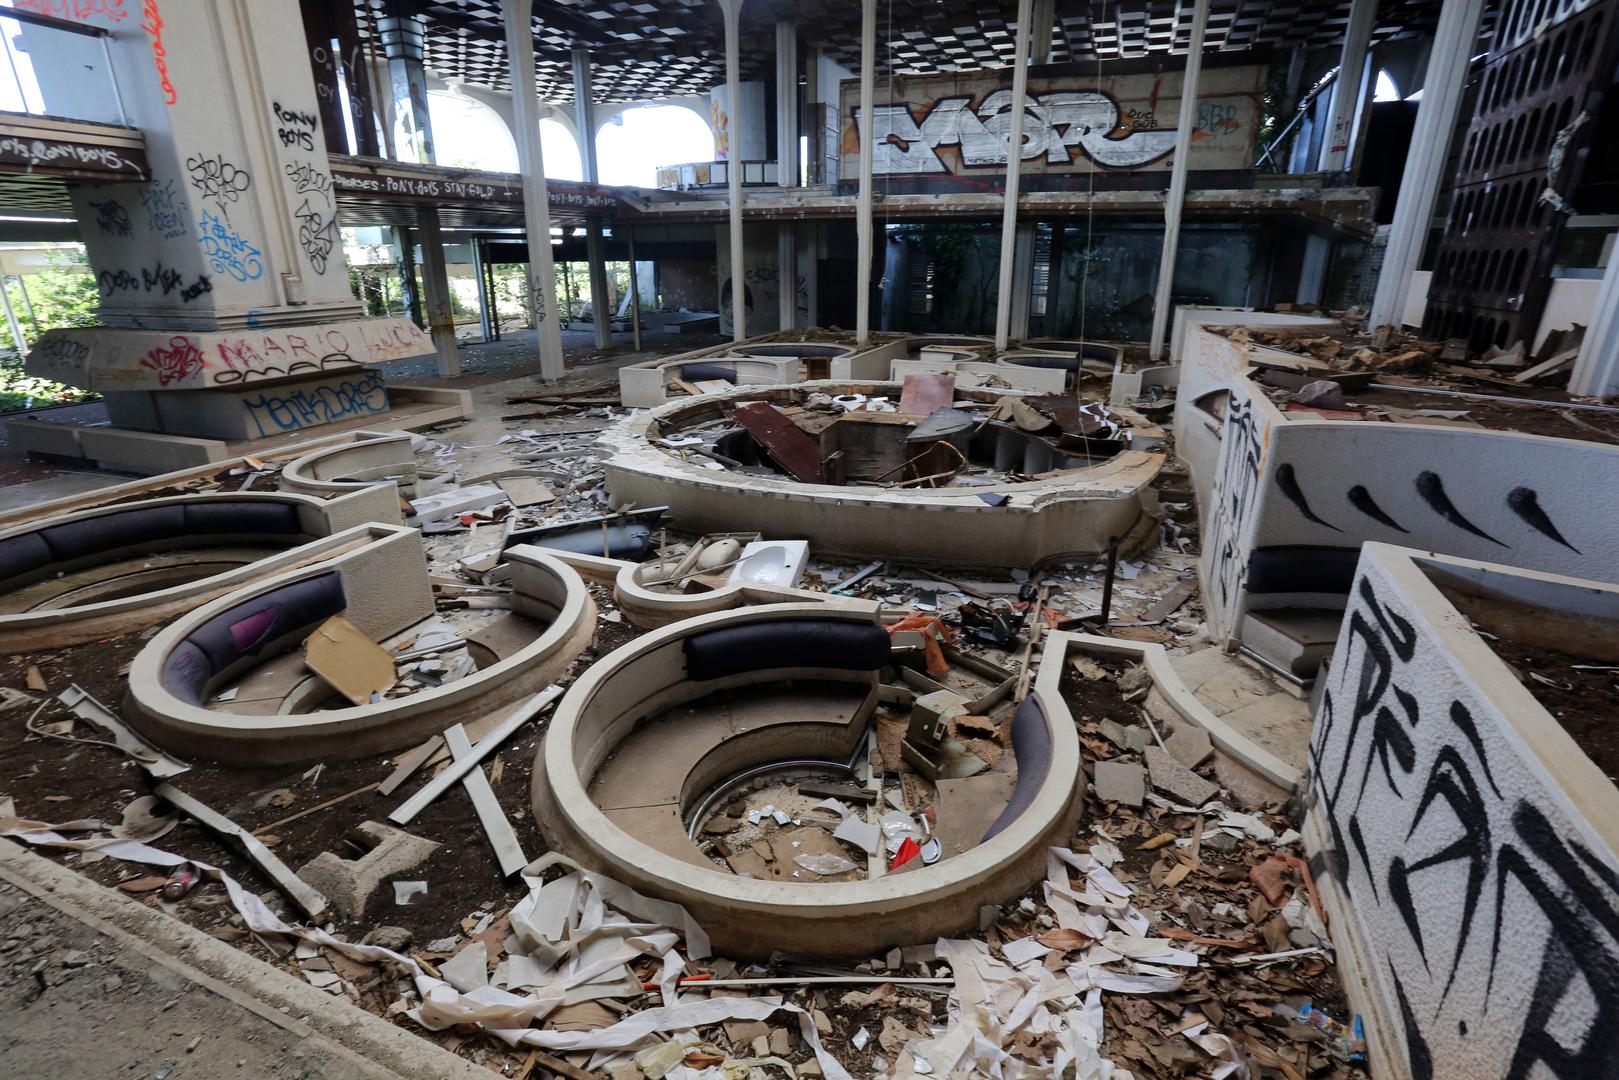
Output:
x=631 y=752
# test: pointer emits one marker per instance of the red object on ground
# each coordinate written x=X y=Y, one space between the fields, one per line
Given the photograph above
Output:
x=909 y=850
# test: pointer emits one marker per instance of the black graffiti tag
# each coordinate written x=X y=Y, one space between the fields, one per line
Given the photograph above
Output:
x=218 y=179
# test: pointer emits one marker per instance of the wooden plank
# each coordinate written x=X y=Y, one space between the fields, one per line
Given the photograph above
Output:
x=312 y=902
x=460 y=767
x=495 y=823
x=409 y=762
x=787 y=443
x=1546 y=367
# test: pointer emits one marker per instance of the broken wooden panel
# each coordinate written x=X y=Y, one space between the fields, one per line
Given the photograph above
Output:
x=786 y=443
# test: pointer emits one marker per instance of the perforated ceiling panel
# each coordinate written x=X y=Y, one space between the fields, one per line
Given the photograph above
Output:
x=654 y=48
x=1534 y=113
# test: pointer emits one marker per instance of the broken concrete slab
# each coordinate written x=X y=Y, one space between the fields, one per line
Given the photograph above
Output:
x=968 y=807
x=1176 y=781
x=350 y=883
x=1121 y=782
x=1190 y=746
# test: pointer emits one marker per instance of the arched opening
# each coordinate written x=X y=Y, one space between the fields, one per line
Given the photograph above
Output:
x=631 y=147
x=468 y=134
x=560 y=151
x=1385 y=89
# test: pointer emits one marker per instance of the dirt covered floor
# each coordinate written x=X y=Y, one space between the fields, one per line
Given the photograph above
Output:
x=1167 y=940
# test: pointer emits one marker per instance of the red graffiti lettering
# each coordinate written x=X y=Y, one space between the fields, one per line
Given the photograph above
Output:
x=179 y=361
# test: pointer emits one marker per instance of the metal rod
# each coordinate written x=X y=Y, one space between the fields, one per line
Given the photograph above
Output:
x=1107 y=580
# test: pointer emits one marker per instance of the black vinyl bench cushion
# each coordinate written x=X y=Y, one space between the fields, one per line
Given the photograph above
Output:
x=1031 y=745
x=786 y=643
x=243 y=631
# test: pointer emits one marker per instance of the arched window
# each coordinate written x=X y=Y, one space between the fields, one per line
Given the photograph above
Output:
x=631 y=147
x=1385 y=90
x=560 y=151
x=468 y=134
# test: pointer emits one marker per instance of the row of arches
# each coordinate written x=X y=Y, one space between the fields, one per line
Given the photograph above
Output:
x=631 y=143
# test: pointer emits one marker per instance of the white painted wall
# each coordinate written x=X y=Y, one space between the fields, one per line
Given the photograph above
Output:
x=1266 y=479
x=1464 y=843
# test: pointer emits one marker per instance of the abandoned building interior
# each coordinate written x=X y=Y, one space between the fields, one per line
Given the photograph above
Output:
x=637 y=540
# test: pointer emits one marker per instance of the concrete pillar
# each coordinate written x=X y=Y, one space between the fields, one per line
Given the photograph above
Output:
x=1044 y=16
x=436 y=283
x=863 y=224
x=403 y=39
x=601 y=304
x=635 y=292
x=516 y=16
x=1014 y=170
x=338 y=60
x=1346 y=90
x=1596 y=371
x=733 y=166
x=225 y=304
x=1177 y=181
x=584 y=114
x=486 y=295
x=407 y=274
x=787 y=113
x=1453 y=42
x=11 y=318
x=1022 y=279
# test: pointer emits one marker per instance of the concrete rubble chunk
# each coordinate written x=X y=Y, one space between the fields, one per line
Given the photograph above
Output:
x=1121 y=782
x=350 y=883
x=1176 y=781
x=1190 y=746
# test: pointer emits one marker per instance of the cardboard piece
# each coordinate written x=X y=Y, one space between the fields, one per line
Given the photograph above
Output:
x=352 y=663
x=968 y=807
x=525 y=490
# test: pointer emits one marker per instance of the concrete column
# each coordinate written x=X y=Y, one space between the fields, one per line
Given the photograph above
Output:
x=542 y=285
x=733 y=165
x=868 y=94
x=584 y=113
x=1596 y=371
x=787 y=113
x=436 y=283
x=1022 y=279
x=403 y=37
x=485 y=295
x=635 y=292
x=407 y=274
x=338 y=60
x=601 y=304
x=1177 y=181
x=1453 y=42
x=1044 y=16
x=1346 y=90
x=1014 y=170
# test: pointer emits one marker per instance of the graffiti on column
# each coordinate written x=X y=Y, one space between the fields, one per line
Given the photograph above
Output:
x=165 y=210
x=159 y=279
x=112 y=219
x=177 y=362
x=1236 y=493
x=307 y=179
x=295 y=128
x=75 y=10
x=291 y=410
x=218 y=180
x=152 y=23
x=226 y=251
x=317 y=235
x=1496 y=923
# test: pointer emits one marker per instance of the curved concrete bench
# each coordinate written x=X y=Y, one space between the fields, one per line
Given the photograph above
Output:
x=638 y=691
x=114 y=569
x=383 y=588
x=1076 y=511
x=374 y=457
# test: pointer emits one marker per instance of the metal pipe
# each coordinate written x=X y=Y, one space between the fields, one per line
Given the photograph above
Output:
x=1014 y=170
x=1497 y=397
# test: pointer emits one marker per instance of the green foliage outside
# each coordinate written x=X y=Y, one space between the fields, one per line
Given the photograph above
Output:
x=63 y=295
